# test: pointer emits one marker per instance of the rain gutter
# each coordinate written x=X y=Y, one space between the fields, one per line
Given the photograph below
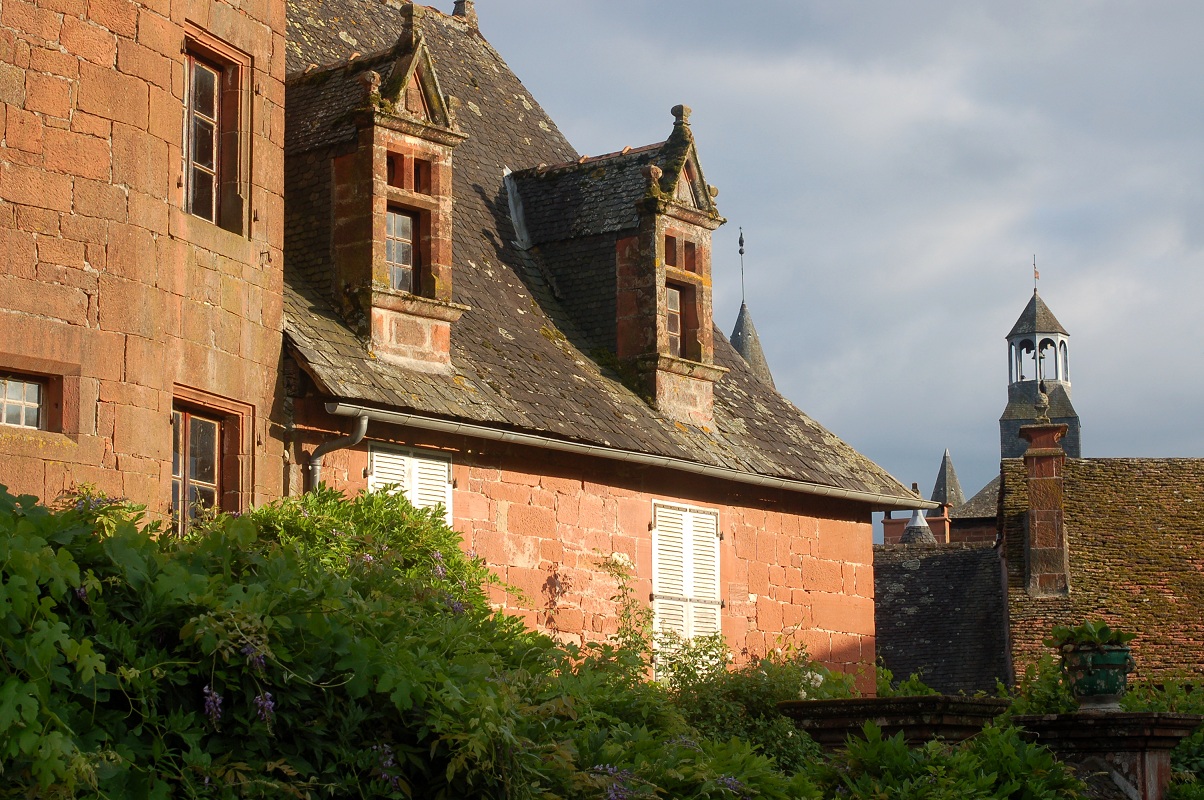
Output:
x=880 y=502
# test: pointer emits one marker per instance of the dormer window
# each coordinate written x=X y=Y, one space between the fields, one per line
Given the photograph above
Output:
x=670 y=251
x=691 y=259
x=401 y=255
x=673 y=320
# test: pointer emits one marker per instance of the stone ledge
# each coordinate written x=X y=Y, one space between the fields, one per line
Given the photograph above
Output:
x=920 y=719
x=417 y=306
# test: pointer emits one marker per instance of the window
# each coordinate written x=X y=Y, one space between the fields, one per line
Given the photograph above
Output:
x=424 y=479
x=22 y=401
x=685 y=570
x=216 y=130
x=673 y=319
x=670 y=251
x=400 y=253
x=203 y=137
x=691 y=264
x=196 y=460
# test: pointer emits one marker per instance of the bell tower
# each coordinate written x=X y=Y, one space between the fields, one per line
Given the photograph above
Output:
x=1038 y=355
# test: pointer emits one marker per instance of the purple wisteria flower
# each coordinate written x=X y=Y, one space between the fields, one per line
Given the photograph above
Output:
x=440 y=569
x=733 y=785
x=386 y=762
x=265 y=707
x=254 y=657
x=82 y=593
x=213 y=705
x=620 y=781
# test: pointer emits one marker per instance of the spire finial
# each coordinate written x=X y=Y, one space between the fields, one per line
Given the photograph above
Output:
x=741 y=266
x=1036 y=275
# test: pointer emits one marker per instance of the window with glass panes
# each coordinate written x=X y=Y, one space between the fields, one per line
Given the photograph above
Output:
x=673 y=320
x=195 y=466
x=203 y=134
x=21 y=401
x=400 y=256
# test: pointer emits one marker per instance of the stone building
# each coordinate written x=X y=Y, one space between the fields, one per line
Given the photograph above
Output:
x=141 y=235
x=251 y=247
x=1054 y=539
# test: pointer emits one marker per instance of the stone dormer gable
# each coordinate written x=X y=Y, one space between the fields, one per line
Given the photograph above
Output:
x=411 y=89
x=681 y=182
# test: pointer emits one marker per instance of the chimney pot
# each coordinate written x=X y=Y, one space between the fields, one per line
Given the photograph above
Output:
x=467 y=10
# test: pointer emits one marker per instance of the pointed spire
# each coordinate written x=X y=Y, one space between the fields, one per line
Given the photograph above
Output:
x=1037 y=318
x=748 y=345
x=948 y=490
x=917 y=531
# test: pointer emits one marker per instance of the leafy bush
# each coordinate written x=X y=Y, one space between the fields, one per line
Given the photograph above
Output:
x=1090 y=635
x=996 y=763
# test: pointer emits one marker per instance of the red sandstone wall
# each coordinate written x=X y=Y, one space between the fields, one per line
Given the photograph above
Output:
x=792 y=567
x=105 y=283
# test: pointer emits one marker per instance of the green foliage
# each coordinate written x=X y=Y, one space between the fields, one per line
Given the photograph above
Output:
x=997 y=763
x=1040 y=690
x=913 y=686
x=1089 y=635
x=325 y=647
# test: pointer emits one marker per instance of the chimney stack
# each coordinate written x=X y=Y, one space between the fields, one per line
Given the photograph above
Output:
x=1046 y=557
x=467 y=10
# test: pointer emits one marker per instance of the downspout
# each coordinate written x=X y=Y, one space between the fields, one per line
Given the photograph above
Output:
x=314 y=477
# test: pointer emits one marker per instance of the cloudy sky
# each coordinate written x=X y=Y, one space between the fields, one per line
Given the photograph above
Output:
x=895 y=167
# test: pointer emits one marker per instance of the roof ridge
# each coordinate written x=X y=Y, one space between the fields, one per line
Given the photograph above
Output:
x=568 y=166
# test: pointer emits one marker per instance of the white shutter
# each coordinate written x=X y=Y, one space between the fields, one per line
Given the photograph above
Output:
x=425 y=481
x=386 y=468
x=685 y=571
x=432 y=485
x=669 y=546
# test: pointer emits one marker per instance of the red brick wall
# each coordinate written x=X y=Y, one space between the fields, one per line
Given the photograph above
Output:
x=106 y=285
x=793 y=567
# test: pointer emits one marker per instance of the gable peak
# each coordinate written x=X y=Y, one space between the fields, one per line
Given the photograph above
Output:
x=412 y=87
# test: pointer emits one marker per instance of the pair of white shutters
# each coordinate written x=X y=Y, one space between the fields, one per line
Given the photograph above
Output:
x=685 y=570
x=425 y=480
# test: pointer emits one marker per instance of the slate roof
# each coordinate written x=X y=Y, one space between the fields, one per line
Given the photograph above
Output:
x=1036 y=318
x=521 y=361
x=939 y=610
x=748 y=345
x=1135 y=537
x=597 y=196
x=948 y=489
x=983 y=505
x=1022 y=399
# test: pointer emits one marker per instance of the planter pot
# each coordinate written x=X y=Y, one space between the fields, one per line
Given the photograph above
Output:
x=1098 y=676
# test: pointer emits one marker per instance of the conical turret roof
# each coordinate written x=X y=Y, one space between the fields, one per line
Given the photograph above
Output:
x=948 y=490
x=917 y=531
x=1037 y=318
x=748 y=345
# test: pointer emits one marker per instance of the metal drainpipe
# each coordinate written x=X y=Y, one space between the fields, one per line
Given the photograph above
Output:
x=314 y=477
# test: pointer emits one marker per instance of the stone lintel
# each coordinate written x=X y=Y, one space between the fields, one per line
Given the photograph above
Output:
x=417 y=306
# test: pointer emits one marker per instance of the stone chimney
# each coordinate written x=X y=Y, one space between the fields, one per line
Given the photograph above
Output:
x=1046 y=557
x=467 y=10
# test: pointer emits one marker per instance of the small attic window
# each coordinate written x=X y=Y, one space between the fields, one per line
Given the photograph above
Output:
x=396 y=169
x=691 y=258
x=400 y=254
x=673 y=320
x=422 y=176
x=670 y=251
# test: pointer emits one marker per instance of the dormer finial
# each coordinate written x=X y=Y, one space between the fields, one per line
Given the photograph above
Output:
x=681 y=114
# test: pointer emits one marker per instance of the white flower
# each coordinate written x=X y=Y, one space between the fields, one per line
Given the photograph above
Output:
x=622 y=560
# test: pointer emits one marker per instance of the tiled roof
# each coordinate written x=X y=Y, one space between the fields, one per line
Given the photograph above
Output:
x=1036 y=318
x=939 y=611
x=1135 y=536
x=521 y=359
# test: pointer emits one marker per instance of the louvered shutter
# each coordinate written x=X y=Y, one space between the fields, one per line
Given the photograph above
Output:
x=685 y=571
x=432 y=485
x=425 y=481
x=669 y=570
x=704 y=562
x=386 y=468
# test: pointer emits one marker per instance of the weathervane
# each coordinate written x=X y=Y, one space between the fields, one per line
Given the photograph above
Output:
x=1036 y=275
x=741 y=266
